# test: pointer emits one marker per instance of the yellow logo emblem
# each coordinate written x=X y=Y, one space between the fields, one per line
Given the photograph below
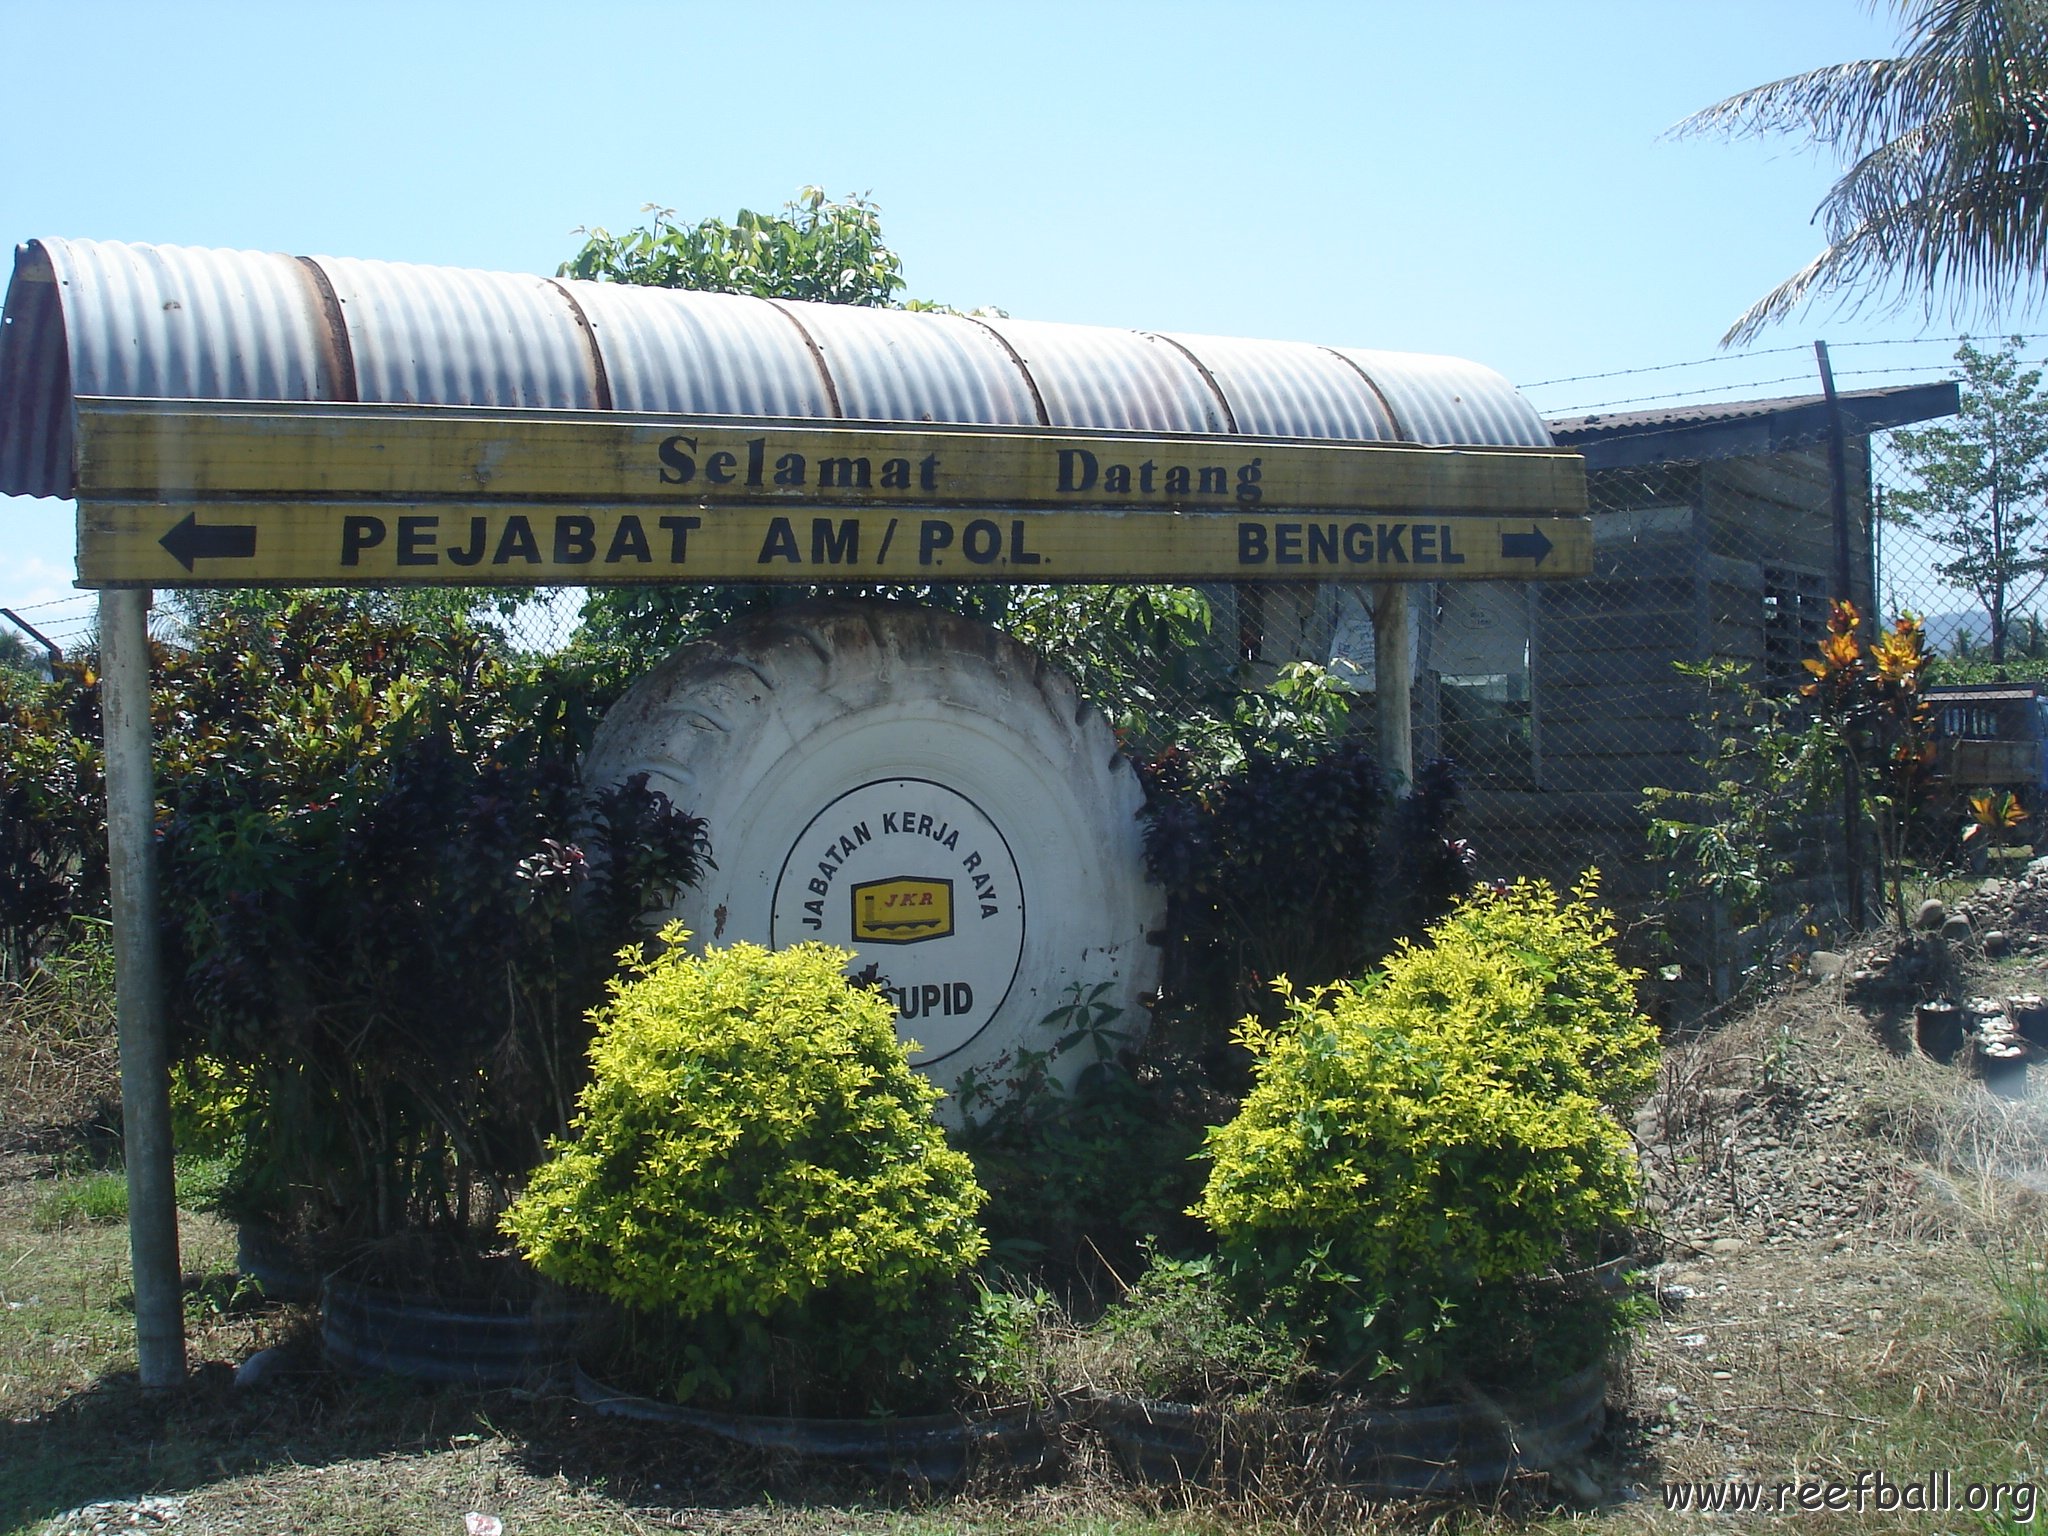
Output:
x=902 y=911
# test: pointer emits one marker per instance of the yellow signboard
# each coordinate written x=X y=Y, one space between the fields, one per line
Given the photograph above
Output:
x=198 y=493
x=487 y=544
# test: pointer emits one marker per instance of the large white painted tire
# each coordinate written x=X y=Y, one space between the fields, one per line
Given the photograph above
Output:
x=918 y=788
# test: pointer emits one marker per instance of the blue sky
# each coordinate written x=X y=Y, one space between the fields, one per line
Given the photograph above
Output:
x=1490 y=180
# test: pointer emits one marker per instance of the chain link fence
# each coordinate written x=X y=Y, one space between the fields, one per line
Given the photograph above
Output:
x=1720 y=534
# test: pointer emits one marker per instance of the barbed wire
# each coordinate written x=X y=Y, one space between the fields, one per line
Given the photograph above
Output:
x=1624 y=373
x=1682 y=394
x=1736 y=389
x=53 y=602
x=1745 y=356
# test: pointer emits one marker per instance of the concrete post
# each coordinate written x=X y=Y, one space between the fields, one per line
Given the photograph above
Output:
x=138 y=981
x=1393 y=667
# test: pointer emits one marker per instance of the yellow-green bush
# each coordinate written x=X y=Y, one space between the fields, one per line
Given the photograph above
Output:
x=1416 y=1146
x=211 y=1103
x=752 y=1142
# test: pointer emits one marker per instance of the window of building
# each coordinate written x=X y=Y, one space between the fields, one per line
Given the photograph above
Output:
x=1795 y=621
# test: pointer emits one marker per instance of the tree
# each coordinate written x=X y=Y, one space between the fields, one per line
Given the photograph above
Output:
x=1946 y=185
x=15 y=656
x=830 y=252
x=817 y=249
x=1982 y=488
x=1123 y=644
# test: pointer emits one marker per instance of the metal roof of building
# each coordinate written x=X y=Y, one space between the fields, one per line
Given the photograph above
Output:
x=93 y=318
x=1727 y=428
x=1984 y=693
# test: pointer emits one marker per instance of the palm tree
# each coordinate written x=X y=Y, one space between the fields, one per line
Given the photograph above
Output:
x=1947 y=151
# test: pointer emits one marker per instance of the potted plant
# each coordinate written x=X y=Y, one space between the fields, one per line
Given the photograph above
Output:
x=755 y=1182
x=1422 y=1189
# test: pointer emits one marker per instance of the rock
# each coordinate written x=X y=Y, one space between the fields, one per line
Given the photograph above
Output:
x=1996 y=943
x=1956 y=930
x=1932 y=915
x=1823 y=963
x=1724 y=1246
x=149 y=1513
x=267 y=1365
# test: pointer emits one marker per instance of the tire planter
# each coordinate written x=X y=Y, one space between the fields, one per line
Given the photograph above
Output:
x=918 y=788
x=279 y=1273
x=368 y=1331
x=938 y=1448
x=1454 y=1447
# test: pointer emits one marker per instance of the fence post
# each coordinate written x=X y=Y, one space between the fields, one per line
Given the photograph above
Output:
x=1393 y=671
x=138 y=988
x=1838 y=496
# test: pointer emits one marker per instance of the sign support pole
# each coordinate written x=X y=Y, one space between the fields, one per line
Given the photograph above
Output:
x=1393 y=669
x=138 y=979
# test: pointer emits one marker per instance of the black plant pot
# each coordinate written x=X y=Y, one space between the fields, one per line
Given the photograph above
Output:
x=281 y=1274
x=1477 y=1443
x=495 y=1343
x=937 y=1448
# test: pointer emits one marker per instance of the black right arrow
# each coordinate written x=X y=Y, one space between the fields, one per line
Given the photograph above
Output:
x=1525 y=546
x=228 y=541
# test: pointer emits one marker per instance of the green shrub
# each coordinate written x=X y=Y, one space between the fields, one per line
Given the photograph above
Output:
x=1084 y=1177
x=1006 y=1343
x=1416 y=1147
x=53 y=853
x=754 y=1154
x=1178 y=1333
x=389 y=904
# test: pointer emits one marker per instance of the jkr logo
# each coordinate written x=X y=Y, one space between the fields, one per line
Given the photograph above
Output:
x=904 y=910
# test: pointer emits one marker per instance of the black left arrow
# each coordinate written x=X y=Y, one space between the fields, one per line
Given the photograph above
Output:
x=229 y=541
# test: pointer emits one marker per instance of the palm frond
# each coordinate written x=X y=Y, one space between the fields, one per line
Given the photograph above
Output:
x=1946 y=188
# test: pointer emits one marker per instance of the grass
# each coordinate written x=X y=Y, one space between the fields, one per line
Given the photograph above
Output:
x=99 y=1199
x=2021 y=1284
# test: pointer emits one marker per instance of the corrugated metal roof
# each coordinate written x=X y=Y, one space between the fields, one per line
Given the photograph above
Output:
x=1984 y=693
x=442 y=336
x=1662 y=418
x=702 y=354
x=90 y=317
x=1738 y=428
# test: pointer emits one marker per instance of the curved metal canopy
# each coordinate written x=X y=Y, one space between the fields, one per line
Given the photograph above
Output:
x=102 y=318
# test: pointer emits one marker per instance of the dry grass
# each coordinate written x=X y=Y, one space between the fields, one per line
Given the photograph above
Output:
x=1839 y=1216
x=59 y=1071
